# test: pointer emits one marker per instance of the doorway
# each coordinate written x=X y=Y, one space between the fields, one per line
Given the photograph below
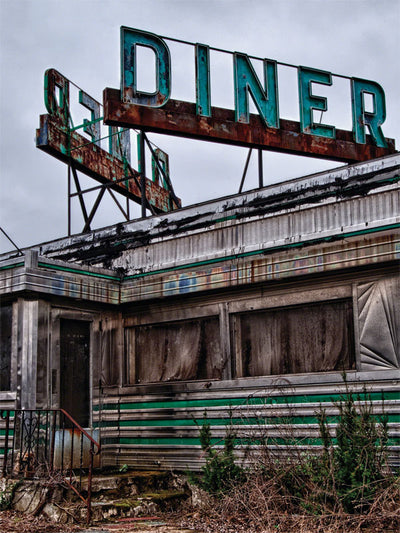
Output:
x=75 y=369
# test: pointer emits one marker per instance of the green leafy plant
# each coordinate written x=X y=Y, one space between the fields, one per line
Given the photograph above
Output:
x=220 y=470
x=7 y=495
x=356 y=463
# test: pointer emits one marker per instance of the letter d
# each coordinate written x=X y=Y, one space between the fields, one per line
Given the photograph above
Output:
x=130 y=39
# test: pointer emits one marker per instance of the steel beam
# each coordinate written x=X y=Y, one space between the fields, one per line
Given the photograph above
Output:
x=179 y=118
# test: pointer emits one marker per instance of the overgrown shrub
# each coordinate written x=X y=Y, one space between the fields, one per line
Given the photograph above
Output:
x=355 y=461
x=345 y=488
x=220 y=470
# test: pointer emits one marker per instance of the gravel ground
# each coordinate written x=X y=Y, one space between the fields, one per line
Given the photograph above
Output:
x=14 y=522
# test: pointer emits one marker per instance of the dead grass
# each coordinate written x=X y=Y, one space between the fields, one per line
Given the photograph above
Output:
x=260 y=506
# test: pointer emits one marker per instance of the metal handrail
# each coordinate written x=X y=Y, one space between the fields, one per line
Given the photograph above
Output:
x=30 y=443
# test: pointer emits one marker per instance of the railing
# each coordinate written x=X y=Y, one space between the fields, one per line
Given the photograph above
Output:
x=41 y=443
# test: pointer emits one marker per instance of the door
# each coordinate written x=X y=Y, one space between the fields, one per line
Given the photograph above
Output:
x=74 y=369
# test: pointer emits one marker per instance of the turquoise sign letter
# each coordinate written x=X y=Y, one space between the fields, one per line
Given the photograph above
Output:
x=246 y=81
x=203 y=100
x=56 y=95
x=130 y=39
x=308 y=102
x=92 y=126
x=119 y=143
x=361 y=117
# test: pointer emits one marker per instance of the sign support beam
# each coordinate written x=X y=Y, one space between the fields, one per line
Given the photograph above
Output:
x=179 y=118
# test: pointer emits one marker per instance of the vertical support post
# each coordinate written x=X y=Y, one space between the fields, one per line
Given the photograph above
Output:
x=225 y=340
x=6 y=443
x=52 y=442
x=260 y=169
x=69 y=200
x=71 y=463
x=246 y=166
x=142 y=170
x=21 y=440
x=89 y=493
x=62 y=428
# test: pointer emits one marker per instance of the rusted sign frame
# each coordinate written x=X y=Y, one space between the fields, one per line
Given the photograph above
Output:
x=179 y=118
x=70 y=147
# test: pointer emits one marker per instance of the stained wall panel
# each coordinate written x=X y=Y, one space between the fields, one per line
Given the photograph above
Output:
x=379 y=323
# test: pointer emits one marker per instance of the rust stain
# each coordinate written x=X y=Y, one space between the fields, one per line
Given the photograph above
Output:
x=52 y=137
x=180 y=119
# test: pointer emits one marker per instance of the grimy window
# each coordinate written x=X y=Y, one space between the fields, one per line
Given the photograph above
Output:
x=5 y=346
x=312 y=338
x=175 y=351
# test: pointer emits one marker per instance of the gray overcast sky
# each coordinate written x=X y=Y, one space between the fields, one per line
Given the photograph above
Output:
x=80 y=38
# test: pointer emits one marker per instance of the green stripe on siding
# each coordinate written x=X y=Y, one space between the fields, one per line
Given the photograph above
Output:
x=263 y=251
x=230 y=402
x=232 y=421
x=188 y=441
x=77 y=271
x=14 y=265
x=3 y=432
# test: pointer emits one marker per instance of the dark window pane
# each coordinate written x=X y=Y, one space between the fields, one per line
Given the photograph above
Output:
x=5 y=346
x=175 y=351
x=312 y=338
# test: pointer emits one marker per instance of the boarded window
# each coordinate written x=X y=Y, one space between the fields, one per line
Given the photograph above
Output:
x=5 y=346
x=174 y=351
x=312 y=338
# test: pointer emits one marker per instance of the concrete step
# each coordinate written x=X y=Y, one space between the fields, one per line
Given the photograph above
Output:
x=128 y=484
x=121 y=495
x=145 y=505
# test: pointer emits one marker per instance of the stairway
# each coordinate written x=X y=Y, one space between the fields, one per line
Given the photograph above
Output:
x=115 y=495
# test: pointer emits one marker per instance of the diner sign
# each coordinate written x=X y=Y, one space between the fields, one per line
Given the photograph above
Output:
x=157 y=112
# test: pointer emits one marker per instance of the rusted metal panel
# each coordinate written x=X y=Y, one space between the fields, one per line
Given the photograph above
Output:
x=180 y=119
x=54 y=138
x=71 y=447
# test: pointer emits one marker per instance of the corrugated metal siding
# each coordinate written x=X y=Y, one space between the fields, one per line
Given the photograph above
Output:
x=280 y=264
x=230 y=237
x=157 y=431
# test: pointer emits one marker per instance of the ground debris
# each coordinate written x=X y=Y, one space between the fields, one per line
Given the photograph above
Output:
x=17 y=522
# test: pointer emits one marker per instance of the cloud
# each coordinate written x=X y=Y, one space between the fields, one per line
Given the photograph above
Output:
x=80 y=38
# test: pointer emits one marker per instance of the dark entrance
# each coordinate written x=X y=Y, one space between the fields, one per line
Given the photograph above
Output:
x=74 y=369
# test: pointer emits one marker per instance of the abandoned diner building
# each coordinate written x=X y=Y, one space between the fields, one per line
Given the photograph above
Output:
x=250 y=309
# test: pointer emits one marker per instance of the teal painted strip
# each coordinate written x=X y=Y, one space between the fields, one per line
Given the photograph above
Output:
x=187 y=441
x=76 y=271
x=231 y=402
x=3 y=432
x=87 y=123
x=189 y=422
x=224 y=219
x=14 y=265
x=263 y=251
